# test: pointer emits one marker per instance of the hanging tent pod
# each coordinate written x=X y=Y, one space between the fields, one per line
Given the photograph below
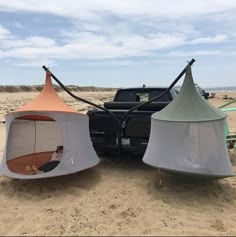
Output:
x=188 y=136
x=35 y=130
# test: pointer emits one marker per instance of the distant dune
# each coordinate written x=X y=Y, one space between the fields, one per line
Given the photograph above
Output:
x=35 y=88
x=73 y=88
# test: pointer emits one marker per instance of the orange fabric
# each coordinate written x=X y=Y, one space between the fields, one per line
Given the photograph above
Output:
x=47 y=100
x=36 y=117
x=18 y=164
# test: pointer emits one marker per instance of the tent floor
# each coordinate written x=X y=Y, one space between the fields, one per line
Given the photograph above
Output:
x=18 y=164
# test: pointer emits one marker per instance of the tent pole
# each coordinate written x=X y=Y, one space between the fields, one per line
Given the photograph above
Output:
x=118 y=122
x=159 y=179
x=229 y=103
x=153 y=99
x=35 y=135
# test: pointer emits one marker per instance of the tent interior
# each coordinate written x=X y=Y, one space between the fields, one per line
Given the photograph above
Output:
x=31 y=141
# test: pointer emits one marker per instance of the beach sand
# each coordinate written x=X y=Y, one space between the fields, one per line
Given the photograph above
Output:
x=117 y=197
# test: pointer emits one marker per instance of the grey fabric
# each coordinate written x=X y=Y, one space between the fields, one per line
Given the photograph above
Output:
x=189 y=105
x=188 y=135
x=191 y=147
x=70 y=130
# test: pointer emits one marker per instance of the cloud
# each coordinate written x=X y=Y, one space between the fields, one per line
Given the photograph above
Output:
x=29 y=42
x=37 y=63
x=4 y=33
x=17 y=25
x=113 y=62
x=87 y=45
x=216 y=39
x=195 y=53
x=107 y=29
x=90 y=8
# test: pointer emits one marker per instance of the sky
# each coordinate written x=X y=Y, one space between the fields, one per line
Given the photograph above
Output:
x=120 y=43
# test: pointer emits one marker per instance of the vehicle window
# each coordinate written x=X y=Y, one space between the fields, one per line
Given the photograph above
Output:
x=155 y=93
x=176 y=92
x=142 y=96
x=126 y=96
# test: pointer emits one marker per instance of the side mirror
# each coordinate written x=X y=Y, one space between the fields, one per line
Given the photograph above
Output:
x=206 y=95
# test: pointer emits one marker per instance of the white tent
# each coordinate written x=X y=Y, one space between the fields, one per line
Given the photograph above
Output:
x=34 y=131
x=188 y=136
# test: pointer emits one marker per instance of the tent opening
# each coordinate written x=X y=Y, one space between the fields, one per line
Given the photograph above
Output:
x=32 y=140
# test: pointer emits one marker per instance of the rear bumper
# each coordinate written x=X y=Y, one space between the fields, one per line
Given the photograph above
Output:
x=135 y=145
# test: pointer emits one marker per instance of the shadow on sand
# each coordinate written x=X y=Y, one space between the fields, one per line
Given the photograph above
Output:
x=82 y=181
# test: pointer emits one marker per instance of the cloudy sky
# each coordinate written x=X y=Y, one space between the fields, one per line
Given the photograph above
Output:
x=117 y=43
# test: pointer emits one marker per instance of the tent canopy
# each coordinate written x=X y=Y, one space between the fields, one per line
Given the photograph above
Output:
x=47 y=100
x=36 y=129
x=189 y=105
x=188 y=136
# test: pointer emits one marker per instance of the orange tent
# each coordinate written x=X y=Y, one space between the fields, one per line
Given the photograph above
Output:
x=36 y=129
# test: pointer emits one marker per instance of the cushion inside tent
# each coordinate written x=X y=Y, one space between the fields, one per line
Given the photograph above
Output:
x=31 y=142
x=18 y=164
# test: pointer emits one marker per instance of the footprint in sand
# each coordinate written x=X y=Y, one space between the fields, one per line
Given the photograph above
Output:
x=218 y=225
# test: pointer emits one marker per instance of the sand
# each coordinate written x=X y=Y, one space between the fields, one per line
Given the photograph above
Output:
x=117 y=197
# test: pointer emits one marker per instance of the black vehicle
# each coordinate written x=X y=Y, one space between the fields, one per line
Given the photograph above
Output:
x=202 y=92
x=135 y=128
x=124 y=123
x=199 y=90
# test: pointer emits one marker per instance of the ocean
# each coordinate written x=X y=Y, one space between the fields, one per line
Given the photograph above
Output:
x=221 y=89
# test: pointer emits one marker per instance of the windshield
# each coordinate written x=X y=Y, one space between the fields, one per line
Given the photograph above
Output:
x=141 y=95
